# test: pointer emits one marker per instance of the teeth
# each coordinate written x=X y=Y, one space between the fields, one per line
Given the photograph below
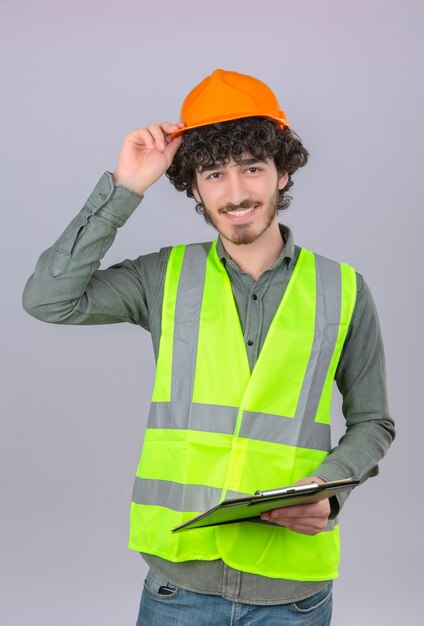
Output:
x=240 y=213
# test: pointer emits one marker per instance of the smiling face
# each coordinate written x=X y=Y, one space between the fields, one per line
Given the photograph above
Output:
x=240 y=199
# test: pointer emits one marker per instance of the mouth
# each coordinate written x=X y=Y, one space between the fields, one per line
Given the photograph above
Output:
x=240 y=215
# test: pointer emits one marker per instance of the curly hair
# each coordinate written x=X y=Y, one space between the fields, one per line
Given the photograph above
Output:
x=216 y=144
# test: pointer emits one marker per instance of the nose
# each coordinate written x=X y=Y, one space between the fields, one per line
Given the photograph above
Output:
x=236 y=191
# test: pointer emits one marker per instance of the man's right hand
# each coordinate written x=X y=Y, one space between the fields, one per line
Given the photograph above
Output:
x=146 y=153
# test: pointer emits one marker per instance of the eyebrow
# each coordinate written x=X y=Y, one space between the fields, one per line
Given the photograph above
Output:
x=218 y=166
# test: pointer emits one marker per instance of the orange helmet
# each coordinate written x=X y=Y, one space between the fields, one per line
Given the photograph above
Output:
x=224 y=96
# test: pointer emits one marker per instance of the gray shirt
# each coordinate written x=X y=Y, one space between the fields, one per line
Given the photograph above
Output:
x=68 y=288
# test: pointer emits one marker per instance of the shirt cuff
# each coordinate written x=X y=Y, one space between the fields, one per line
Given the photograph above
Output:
x=330 y=472
x=117 y=202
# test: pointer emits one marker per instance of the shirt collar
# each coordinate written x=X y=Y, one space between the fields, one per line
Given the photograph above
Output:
x=286 y=255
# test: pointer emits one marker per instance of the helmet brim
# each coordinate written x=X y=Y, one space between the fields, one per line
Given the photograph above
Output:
x=282 y=120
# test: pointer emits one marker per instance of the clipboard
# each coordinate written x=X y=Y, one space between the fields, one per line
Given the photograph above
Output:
x=249 y=508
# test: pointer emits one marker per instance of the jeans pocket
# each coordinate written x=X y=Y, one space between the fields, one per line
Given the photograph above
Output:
x=160 y=587
x=307 y=605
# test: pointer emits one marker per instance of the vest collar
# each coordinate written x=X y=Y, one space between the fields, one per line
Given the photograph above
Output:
x=286 y=256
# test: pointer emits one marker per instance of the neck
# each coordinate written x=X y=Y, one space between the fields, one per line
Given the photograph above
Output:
x=258 y=256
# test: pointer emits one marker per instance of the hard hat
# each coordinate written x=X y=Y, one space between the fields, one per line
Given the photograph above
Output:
x=224 y=96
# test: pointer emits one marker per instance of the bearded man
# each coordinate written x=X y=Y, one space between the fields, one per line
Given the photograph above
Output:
x=249 y=332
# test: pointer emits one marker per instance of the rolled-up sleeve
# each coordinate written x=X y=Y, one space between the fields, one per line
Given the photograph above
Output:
x=67 y=286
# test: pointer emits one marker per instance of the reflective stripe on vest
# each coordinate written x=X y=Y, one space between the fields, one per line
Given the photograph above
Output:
x=217 y=430
x=169 y=494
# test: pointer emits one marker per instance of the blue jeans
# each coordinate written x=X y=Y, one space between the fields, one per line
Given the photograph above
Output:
x=164 y=604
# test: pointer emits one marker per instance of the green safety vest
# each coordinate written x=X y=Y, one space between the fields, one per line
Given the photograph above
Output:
x=216 y=430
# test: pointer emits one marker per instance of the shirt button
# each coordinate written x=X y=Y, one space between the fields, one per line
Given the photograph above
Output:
x=255 y=297
x=250 y=342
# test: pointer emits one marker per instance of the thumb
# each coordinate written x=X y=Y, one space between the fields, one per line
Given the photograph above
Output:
x=309 y=480
x=172 y=147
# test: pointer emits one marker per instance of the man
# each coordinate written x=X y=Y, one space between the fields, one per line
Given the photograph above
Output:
x=249 y=333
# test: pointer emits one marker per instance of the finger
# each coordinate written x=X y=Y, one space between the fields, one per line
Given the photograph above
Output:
x=141 y=137
x=308 y=481
x=306 y=527
x=291 y=517
x=172 y=148
x=301 y=510
x=275 y=516
x=169 y=137
x=314 y=523
x=158 y=136
x=169 y=127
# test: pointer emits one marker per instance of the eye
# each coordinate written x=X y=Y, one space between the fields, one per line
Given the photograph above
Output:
x=254 y=169
x=213 y=176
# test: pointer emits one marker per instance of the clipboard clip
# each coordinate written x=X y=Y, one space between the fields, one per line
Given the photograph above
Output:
x=286 y=490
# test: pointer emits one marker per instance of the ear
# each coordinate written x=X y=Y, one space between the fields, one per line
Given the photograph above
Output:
x=282 y=179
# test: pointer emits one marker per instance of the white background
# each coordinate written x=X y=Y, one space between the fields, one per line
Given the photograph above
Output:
x=75 y=78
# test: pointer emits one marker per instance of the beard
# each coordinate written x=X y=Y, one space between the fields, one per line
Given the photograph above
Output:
x=242 y=234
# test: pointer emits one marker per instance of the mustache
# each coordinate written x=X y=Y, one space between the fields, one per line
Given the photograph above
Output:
x=246 y=204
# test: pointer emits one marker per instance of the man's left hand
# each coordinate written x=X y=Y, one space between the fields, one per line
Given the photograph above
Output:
x=308 y=519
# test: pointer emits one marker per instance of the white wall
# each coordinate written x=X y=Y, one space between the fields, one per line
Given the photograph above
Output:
x=76 y=77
